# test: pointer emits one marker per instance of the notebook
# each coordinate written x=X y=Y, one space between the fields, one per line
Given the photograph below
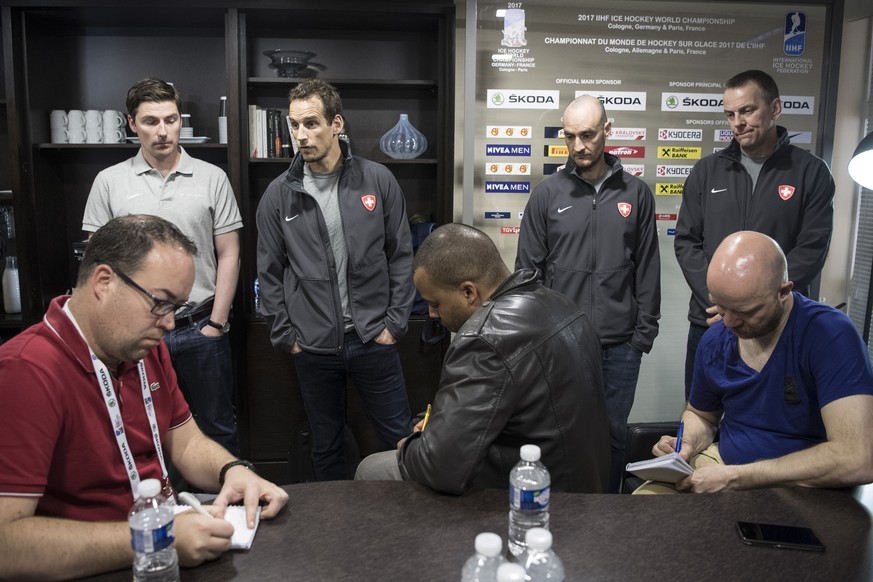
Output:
x=668 y=469
x=242 y=537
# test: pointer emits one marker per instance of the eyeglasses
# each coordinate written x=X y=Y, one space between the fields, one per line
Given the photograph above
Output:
x=161 y=307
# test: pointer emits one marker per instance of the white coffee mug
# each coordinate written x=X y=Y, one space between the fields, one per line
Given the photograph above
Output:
x=114 y=135
x=93 y=135
x=76 y=118
x=60 y=135
x=93 y=118
x=113 y=119
x=58 y=119
x=77 y=134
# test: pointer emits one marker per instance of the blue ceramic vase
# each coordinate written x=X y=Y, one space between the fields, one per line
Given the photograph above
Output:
x=403 y=141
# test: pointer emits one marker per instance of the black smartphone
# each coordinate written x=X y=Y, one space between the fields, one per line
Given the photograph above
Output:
x=779 y=536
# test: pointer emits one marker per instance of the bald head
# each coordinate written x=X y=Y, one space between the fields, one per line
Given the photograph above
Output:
x=586 y=107
x=586 y=128
x=748 y=283
x=751 y=259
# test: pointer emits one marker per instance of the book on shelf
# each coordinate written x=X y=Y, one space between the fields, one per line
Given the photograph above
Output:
x=668 y=468
x=269 y=133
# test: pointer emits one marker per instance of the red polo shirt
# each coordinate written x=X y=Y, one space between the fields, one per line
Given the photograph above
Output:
x=56 y=440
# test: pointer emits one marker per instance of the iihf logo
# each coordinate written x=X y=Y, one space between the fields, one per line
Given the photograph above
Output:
x=794 y=42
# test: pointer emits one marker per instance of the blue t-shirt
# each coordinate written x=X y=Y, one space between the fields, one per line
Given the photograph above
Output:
x=819 y=358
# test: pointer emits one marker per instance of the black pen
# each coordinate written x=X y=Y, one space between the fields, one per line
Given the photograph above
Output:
x=679 y=436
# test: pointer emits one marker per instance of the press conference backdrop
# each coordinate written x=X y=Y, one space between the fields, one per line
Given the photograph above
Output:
x=659 y=68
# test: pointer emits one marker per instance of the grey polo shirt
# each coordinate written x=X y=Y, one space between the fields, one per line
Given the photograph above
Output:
x=196 y=197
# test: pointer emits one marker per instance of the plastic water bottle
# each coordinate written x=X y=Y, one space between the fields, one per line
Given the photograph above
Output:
x=152 y=537
x=257 y=296
x=482 y=566
x=11 y=287
x=529 y=485
x=539 y=560
x=510 y=572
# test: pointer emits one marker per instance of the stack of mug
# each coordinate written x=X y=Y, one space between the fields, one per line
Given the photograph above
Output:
x=91 y=126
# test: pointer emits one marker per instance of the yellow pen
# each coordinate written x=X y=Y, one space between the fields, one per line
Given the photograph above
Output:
x=426 y=417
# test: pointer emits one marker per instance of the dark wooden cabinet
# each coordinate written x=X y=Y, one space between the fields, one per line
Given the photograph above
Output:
x=386 y=58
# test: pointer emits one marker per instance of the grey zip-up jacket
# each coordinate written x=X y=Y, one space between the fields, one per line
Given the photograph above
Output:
x=296 y=269
x=792 y=203
x=599 y=250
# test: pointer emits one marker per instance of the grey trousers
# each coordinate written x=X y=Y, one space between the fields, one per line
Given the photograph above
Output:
x=379 y=467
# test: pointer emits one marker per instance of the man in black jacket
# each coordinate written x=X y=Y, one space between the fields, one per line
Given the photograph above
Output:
x=759 y=182
x=523 y=367
x=590 y=228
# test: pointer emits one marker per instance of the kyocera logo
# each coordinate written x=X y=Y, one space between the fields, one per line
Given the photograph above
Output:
x=537 y=99
x=702 y=102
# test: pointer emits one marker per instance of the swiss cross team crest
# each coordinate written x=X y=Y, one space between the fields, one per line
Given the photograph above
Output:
x=624 y=209
x=786 y=191
x=369 y=201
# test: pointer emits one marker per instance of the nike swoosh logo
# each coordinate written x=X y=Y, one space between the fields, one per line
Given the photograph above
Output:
x=560 y=210
x=290 y=218
x=714 y=191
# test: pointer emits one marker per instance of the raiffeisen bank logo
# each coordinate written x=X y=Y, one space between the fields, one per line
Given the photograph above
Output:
x=693 y=102
x=618 y=100
x=522 y=99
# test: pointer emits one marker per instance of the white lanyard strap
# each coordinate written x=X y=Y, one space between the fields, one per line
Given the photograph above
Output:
x=104 y=380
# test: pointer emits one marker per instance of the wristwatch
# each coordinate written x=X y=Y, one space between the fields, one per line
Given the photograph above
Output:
x=232 y=464
x=222 y=327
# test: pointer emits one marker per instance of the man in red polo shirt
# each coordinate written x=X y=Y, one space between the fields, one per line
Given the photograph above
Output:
x=79 y=395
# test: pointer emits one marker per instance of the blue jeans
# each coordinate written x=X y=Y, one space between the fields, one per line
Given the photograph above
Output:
x=377 y=375
x=695 y=332
x=205 y=372
x=621 y=369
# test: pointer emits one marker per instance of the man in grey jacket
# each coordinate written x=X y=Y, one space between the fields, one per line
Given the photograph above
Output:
x=590 y=228
x=334 y=266
x=523 y=367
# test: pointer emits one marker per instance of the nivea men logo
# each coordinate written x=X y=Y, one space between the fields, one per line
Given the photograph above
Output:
x=794 y=39
x=618 y=100
x=663 y=170
x=679 y=134
x=497 y=214
x=522 y=99
x=492 y=149
x=798 y=104
x=507 y=187
x=694 y=102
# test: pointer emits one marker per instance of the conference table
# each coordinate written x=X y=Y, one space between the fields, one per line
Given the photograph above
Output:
x=402 y=531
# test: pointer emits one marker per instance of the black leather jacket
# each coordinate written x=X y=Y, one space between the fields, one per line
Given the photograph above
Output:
x=525 y=368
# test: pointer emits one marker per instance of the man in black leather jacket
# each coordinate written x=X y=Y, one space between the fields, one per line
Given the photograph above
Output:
x=523 y=367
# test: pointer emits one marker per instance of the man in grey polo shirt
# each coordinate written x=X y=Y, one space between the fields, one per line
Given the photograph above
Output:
x=163 y=180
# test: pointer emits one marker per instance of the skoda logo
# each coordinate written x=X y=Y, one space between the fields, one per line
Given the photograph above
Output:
x=497 y=99
x=672 y=102
x=112 y=403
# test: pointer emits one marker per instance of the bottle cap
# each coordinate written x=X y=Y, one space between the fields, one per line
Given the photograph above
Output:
x=489 y=544
x=530 y=453
x=149 y=488
x=538 y=538
x=511 y=572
